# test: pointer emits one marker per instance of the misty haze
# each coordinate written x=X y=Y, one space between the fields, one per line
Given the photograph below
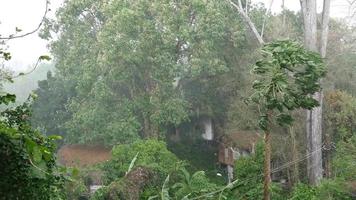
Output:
x=178 y=100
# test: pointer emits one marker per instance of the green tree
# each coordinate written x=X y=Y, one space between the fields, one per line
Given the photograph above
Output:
x=123 y=58
x=49 y=110
x=286 y=77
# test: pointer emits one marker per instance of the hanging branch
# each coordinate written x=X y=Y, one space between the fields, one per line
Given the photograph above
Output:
x=31 y=32
x=41 y=58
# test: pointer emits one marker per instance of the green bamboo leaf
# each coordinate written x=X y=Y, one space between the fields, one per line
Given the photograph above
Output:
x=165 y=190
x=132 y=163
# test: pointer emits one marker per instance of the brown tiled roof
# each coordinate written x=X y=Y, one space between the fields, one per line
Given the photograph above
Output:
x=82 y=155
x=241 y=139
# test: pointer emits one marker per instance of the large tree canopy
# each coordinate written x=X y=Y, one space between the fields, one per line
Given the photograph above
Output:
x=139 y=66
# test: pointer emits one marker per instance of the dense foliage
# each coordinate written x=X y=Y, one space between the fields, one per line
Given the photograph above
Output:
x=249 y=177
x=329 y=189
x=138 y=68
x=249 y=174
x=51 y=100
x=28 y=164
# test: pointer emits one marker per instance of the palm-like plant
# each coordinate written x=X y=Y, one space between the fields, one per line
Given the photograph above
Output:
x=192 y=184
x=196 y=186
x=287 y=77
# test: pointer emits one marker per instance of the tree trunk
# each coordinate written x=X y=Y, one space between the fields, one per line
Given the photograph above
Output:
x=328 y=156
x=295 y=156
x=325 y=28
x=315 y=169
x=323 y=45
x=313 y=131
x=267 y=160
x=310 y=24
x=230 y=173
x=146 y=128
x=267 y=166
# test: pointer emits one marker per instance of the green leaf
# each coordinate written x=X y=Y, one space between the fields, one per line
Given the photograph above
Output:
x=44 y=57
x=263 y=122
x=278 y=49
x=257 y=84
x=284 y=119
x=165 y=190
x=39 y=170
x=55 y=137
x=47 y=155
x=36 y=154
x=75 y=172
x=153 y=197
x=30 y=144
x=308 y=103
x=132 y=163
x=186 y=197
x=7 y=55
x=8 y=98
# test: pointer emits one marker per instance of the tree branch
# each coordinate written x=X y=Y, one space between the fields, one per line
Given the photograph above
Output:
x=244 y=15
x=32 y=70
x=303 y=8
x=246 y=7
x=31 y=32
x=38 y=168
x=265 y=18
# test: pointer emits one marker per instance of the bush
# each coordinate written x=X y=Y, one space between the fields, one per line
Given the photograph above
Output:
x=100 y=194
x=345 y=158
x=327 y=190
x=249 y=173
x=333 y=189
x=28 y=161
x=302 y=192
x=192 y=185
x=76 y=187
x=152 y=154
x=131 y=186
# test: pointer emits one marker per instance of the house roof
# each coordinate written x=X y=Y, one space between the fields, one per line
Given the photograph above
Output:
x=241 y=139
x=78 y=155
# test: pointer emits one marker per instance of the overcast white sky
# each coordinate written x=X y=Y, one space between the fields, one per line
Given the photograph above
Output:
x=339 y=8
x=27 y=14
